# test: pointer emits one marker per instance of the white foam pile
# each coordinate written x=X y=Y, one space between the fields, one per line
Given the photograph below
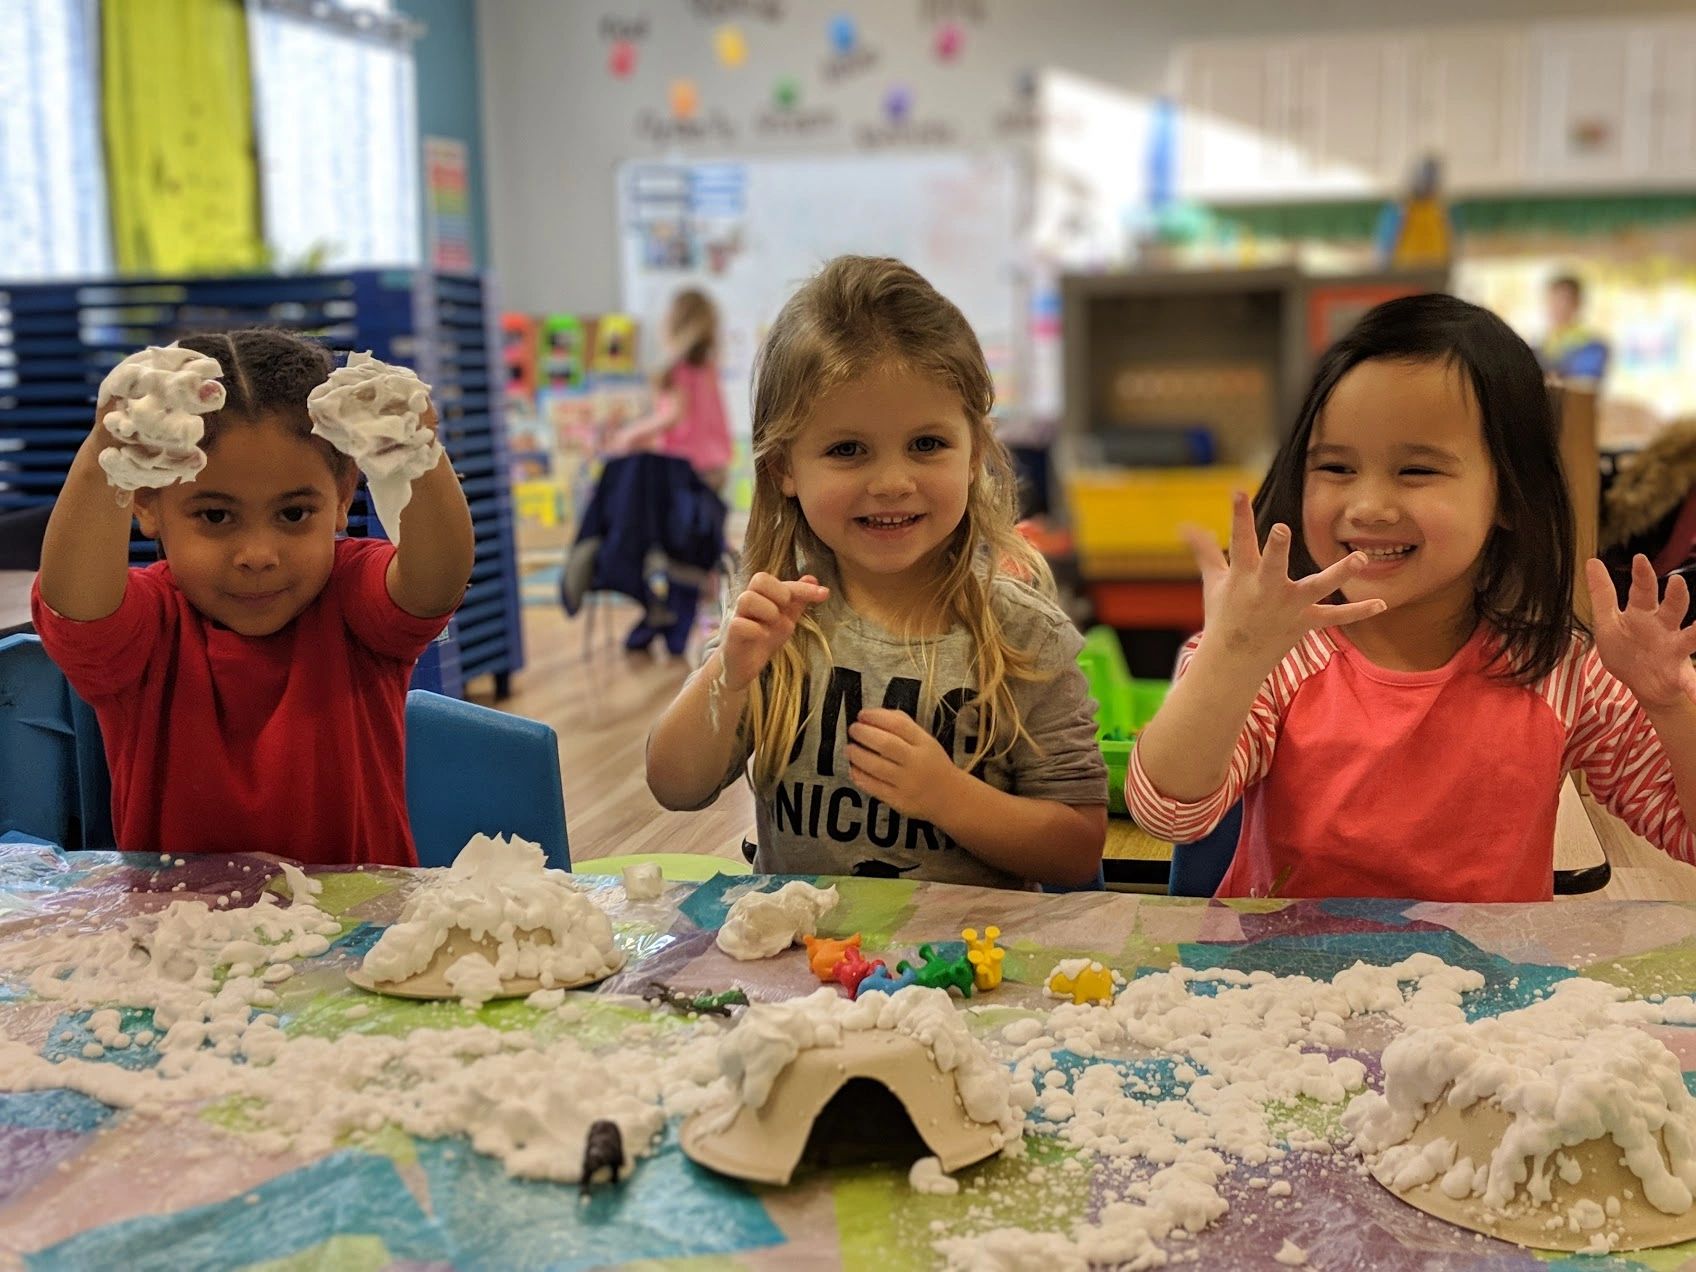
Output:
x=374 y=413
x=499 y=888
x=158 y=396
x=762 y=924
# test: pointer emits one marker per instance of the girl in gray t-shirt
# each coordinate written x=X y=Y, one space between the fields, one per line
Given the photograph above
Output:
x=911 y=703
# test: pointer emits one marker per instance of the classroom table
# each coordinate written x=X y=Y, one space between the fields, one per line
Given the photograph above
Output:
x=82 y=1186
x=14 y=598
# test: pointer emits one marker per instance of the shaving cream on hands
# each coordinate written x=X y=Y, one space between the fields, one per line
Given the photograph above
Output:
x=374 y=414
x=158 y=396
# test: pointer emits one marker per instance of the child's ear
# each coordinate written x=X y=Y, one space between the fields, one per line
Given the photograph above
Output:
x=146 y=507
x=785 y=478
x=347 y=485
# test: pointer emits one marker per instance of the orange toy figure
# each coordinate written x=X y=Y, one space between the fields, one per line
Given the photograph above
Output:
x=1085 y=980
x=824 y=953
x=985 y=956
x=852 y=969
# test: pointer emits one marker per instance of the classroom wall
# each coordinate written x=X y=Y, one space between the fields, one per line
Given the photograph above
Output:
x=450 y=99
x=558 y=122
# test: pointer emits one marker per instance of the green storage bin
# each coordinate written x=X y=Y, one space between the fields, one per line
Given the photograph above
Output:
x=1123 y=707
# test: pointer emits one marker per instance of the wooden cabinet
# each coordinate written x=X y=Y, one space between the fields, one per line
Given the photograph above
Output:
x=1590 y=104
x=1556 y=106
x=1466 y=98
x=1672 y=102
x=1347 y=115
x=1233 y=107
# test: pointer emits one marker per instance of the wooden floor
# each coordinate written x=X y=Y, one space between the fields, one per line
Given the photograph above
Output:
x=601 y=701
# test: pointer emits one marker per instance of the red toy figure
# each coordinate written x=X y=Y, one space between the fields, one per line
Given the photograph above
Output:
x=853 y=969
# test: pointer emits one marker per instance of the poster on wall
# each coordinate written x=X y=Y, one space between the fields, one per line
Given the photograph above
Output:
x=749 y=231
x=447 y=203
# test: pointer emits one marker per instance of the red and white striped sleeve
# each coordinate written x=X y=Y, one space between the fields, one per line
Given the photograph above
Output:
x=1183 y=822
x=1610 y=740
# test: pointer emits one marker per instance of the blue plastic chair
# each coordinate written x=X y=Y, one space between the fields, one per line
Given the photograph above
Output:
x=53 y=779
x=1198 y=867
x=1097 y=884
x=472 y=770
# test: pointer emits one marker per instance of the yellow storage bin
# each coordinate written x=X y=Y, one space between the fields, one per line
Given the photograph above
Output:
x=1139 y=510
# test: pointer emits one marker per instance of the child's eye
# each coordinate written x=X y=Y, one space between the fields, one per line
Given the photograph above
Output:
x=1420 y=472
x=844 y=450
x=295 y=516
x=214 y=516
x=1330 y=468
x=929 y=445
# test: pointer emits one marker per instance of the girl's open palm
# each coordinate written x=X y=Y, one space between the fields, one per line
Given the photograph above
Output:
x=1645 y=646
x=1252 y=605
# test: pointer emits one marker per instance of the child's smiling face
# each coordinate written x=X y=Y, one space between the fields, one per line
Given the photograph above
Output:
x=251 y=542
x=882 y=469
x=1397 y=468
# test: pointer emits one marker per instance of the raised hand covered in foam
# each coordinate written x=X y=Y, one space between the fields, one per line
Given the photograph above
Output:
x=157 y=397
x=374 y=414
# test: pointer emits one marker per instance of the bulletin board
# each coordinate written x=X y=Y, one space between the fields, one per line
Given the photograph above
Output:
x=749 y=231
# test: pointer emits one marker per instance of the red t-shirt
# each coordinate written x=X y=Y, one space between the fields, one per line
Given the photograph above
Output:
x=292 y=743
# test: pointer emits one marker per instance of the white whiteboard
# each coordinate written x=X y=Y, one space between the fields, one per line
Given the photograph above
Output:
x=749 y=231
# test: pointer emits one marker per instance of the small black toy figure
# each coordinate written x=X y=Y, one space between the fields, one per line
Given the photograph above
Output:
x=603 y=1149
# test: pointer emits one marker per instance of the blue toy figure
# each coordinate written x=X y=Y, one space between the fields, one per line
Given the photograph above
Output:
x=882 y=982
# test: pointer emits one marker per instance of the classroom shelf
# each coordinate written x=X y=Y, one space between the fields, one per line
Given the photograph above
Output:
x=58 y=341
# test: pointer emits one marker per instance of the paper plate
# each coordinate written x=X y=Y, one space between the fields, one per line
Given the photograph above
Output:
x=1476 y=1131
x=765 y=1144
x=431 y=983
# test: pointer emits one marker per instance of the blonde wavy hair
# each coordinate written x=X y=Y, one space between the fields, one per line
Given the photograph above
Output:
x=857 y=316
x=691 y=325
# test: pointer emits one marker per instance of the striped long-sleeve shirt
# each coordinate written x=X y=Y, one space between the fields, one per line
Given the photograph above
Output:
x=1439 y=785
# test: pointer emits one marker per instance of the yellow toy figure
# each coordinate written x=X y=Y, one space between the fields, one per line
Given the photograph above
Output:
x=985 y=956
x=824 y=953
x=1084 y=979
x=1417 y=233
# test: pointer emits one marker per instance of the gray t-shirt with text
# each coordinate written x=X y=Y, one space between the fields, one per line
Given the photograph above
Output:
x=816 y=821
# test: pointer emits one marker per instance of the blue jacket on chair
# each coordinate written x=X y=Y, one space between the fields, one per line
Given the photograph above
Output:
x=647 y=510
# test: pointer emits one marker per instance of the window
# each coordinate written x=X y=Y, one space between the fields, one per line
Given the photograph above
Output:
x=337 y=126
x=53 y=194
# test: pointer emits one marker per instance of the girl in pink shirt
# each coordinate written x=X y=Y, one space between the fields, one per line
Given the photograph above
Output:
x=688 y=418
x=1390 y=676
x=688 y=422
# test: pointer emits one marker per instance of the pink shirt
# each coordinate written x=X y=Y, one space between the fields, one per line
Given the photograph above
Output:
x=1437 y=785
x=701 y=434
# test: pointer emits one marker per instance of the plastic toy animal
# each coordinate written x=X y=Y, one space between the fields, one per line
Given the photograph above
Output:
x=853 y=968
x=985 y=956
x=706 y=1004
x=1091 y=984
x=603 y=1149
x=943 y=973
x=882 y=982
x=824 y=953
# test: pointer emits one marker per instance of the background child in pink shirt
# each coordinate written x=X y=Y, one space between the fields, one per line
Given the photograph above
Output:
x=688 y=423
x=1390 y=675
x=688 y=419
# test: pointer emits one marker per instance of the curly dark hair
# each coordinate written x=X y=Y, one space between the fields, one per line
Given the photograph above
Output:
x=267 y=373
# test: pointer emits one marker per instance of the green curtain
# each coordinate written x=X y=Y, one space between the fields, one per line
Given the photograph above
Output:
x=182 y=182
